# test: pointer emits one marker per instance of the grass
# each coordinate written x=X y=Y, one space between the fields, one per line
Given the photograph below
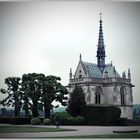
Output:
x=134 y=135
x=26 y=129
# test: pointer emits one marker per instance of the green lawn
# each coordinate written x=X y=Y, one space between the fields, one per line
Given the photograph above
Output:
x=134 y=135
x=24 y=129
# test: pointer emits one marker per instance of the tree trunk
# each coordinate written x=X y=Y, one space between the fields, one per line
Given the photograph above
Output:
x=26 y=101
x=26 y=110
x=26 y=113
x=17 y=107
x=46 y=110
x=34 y=109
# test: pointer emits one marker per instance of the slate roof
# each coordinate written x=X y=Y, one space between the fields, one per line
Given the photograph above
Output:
x=94 y=71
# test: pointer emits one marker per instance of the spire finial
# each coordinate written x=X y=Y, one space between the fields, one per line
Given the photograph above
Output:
x=80 y=56
x=100 y=16
x=70 y=75
x=129 y=74
x=70 y=70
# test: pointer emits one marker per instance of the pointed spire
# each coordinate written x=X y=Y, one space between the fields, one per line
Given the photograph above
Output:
x=129 y=74
x=70 y=70
x=111 y=63
x=100 y=16
x=101 y=48
x=114 y=72
x=70 y=75
x=80 y=56
x=124 y=75
x=101 y=38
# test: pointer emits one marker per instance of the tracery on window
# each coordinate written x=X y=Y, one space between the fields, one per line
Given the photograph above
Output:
x=98 y=93
x=80 y=76
x=123 y=95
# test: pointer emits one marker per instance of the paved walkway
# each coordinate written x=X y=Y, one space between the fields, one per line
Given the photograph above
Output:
x=81 y=130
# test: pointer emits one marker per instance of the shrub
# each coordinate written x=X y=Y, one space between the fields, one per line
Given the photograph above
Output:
x=80 y=120
x=123 y=122
x=71 y=120
x=20 y=120
x=101 y=115
x=133 y=122
x=46 y=121
x=4 y=120
x=63 y=117
x=67 y=119
x=35 y=121
x=15 y=120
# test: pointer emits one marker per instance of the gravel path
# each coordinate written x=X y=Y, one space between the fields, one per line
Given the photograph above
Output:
x=82 y=130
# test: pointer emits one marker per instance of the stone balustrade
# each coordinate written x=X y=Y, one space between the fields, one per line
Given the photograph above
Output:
x=99 y=80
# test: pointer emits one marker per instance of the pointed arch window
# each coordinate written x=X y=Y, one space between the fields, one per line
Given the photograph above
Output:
x=98 y=93
x=80 y=76
x=123 y=96
x=97 y=98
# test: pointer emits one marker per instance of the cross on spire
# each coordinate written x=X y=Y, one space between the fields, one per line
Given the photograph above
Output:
x=100 y=16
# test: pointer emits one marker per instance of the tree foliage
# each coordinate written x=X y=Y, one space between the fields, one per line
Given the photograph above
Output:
x=34 y=92
x=31 y=88
x=76 y=103
x=52 y=90
x=13 y=92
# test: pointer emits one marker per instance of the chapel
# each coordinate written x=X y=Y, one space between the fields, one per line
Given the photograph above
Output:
x=101 y=82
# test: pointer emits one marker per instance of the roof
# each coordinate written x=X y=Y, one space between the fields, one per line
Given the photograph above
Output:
x=109 y=69
x=94 y=71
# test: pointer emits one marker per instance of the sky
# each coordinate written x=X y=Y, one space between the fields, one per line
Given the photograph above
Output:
x=48 y=37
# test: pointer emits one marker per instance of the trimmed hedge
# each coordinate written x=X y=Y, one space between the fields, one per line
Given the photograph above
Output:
x=122 y=122
x=101 y=115
x=5 y=120
x=67 y=119
x=133 y=122
x=46 y=121
x=80 y=120
x=18 y=120
x=35 y=121
x=63 y=118
x=15 y=120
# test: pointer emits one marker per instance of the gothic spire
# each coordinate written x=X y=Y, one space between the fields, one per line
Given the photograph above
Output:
x=129 y=74
x=80 y=57
x=101 y=48
x=70 y=74
x=101 y=38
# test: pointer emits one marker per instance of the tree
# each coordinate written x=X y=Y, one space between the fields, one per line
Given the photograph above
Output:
x=33 y=92
x=76 y=102
x=13 y=92
x=31 y=87
x=52 y=90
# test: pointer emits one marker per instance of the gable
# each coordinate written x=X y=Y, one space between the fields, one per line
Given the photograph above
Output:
x=80 y=71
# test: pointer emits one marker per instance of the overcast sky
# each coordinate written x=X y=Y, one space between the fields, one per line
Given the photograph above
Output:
x=47 y=37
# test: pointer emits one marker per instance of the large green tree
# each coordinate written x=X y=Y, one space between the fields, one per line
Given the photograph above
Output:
x=34 y=92
x=31 y=87
x=13 y=98
x=52 y=90
x=76 y=102
x=26 y=105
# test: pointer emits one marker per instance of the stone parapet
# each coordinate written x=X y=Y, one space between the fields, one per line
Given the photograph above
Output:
x=99 y=80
